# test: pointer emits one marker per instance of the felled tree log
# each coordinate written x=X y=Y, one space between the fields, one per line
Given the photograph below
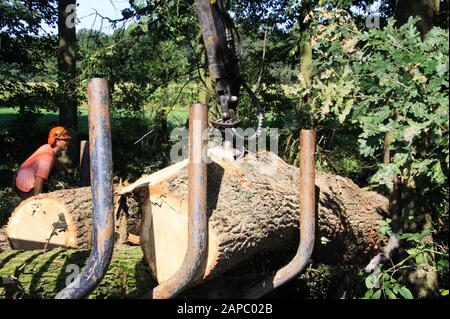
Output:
x=64 y=219
x=253 y=207
x=34 y=274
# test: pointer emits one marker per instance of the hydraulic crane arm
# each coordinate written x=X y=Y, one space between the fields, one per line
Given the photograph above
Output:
x=217 y=32
x=220 y=37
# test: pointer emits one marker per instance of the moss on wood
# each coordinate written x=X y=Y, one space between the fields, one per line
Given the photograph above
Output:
x=34 y=274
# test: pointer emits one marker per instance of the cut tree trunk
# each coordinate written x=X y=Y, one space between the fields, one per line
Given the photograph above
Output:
x=253 y=207
x=64 y=219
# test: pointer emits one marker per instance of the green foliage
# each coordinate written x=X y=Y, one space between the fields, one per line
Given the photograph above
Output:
x=322 y=281
x=391 y=283
x=385 y=227
x=387 y=80
x=318 y=281
x=391 y=289
x=26 y=55
x=131 y=159
x=146 y=64
x=25 y=17
x=383 y=284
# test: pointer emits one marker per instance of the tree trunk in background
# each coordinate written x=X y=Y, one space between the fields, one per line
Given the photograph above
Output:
x=428 y=10
x=67 y=76
x=306 y=59
x=85 y=167
x=443 y=15
x=205 y=91
x=395 y=205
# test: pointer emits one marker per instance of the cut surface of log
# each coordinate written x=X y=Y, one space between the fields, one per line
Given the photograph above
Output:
x=41 y=222
x=64 y=219
x=253 y=207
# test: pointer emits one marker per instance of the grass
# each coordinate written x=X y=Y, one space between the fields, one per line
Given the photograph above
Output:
x=167 y=98
x=9 y=114
x=176 y=117
x=129 y=158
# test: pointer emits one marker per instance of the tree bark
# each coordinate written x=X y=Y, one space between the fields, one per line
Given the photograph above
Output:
x=251 y=211
x=306 y=57
x=67 y=75
x=427 y=10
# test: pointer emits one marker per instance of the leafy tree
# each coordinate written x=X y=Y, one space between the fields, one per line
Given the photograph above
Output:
x=388 y=80
x=25 y=50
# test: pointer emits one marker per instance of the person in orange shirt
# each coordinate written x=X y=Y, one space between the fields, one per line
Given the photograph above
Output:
x=32 y=174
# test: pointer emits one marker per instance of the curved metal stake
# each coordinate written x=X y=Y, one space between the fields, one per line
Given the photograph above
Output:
x=197 y=221
x=307 y=221
x=102 y=193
